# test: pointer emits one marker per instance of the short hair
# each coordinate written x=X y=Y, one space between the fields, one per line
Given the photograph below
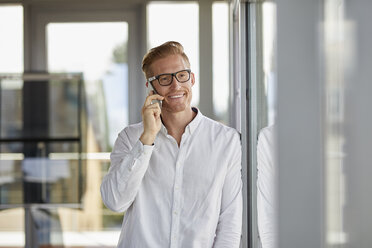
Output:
x=162 y=51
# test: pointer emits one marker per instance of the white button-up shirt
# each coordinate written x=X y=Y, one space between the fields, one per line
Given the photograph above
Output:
x=266 y=187
x=177 y=196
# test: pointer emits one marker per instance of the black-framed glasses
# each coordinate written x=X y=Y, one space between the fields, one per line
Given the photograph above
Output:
x=165 y=79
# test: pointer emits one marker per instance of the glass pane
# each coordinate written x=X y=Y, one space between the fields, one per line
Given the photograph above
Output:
x=183 y=27
x=338 y=52
x=11 y=42
x=104 y=65
x=54 y=180
x=12 y=224
x=64 y=107
x=221 y=61
x=40 y=117
x=11 y=111
x=11 y=177
x=269 y=58
x=21 y=101
x=266 y=163
x=79 y=47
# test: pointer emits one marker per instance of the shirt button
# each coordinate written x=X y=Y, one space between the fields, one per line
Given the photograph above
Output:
x=175 y=212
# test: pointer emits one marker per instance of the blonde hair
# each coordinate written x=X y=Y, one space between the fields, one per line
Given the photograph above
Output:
x=162 y=51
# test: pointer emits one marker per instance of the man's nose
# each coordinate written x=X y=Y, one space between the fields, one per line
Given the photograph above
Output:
x=174 y=83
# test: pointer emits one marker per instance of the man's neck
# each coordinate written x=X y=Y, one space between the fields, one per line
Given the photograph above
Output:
x=177 y=122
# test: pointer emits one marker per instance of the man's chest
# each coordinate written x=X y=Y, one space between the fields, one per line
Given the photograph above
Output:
x=192 y=168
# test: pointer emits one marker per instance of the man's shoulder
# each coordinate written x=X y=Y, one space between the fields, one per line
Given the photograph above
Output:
x=268 y=133
x=132 y=129
x=266 y=144
x=135 y=126
x=219 y=128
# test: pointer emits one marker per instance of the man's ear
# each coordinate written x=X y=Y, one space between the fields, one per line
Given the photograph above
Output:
x=192 y=78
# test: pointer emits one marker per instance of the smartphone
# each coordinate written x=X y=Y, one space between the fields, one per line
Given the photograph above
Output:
x=151 y=88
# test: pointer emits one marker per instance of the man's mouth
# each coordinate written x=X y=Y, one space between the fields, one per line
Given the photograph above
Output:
x=176 y=96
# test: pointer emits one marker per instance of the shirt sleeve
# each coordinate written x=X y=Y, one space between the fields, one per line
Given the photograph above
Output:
x=128 y=166
x=229 y=226
x=266 y=201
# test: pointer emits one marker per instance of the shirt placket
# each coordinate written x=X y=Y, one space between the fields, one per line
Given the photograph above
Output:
x=176 y=208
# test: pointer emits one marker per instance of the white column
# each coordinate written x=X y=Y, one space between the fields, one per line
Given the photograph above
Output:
x=206 y=58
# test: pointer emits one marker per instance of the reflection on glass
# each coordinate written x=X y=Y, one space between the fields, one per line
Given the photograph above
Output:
x=45 y=116
x=176 y=22
x=11 y=112
x=11 y=176
x=63 y=108
x=267 y=149
x=37 y=166
x=220 y=14
x=336 y=50
x=269 y=58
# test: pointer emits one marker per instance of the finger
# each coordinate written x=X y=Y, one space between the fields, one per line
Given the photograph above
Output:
x=150 y=98
x=152 y=112
x=154 y=107
x=157 y=112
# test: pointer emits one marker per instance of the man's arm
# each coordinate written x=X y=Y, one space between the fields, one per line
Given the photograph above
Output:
x=129 y=163
x=229 y=227
x=128 y=166
x=266 y=196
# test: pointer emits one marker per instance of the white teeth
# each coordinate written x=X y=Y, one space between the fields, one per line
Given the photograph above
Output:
x=177 y=96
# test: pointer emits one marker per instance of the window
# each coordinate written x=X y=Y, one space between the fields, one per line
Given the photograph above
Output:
x=79 y=47
x=177 y=22
x=11 y=42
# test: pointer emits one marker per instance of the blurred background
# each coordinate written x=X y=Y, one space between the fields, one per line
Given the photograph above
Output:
x=71 y=80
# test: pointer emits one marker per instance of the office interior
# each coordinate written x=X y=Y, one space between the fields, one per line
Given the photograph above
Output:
x=71 y=79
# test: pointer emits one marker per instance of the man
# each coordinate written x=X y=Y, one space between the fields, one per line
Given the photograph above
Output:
x=266 y=187
x=177 y=174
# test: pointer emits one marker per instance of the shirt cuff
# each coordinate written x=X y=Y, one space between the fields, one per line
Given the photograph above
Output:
x=140 y=153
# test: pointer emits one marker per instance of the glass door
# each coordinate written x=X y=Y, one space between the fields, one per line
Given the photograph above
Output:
x=99 y=51
x=102 y=48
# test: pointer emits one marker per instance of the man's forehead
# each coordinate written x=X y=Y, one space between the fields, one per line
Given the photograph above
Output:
x=168 y=64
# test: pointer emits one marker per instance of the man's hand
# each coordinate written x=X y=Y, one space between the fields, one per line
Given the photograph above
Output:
x=151 y=119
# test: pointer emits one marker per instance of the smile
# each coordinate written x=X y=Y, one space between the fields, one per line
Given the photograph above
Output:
x=176 y=96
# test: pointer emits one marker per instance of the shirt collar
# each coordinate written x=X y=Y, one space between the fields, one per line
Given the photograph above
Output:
x=163 y=129
x=195 y=122
x=190 y=128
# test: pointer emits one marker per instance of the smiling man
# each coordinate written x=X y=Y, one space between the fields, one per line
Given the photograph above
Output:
x=176 y=174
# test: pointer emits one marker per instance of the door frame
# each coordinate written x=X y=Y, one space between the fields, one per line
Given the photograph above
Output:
x=35 y=50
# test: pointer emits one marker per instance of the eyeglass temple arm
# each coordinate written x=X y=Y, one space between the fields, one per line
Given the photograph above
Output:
x=151 y=79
